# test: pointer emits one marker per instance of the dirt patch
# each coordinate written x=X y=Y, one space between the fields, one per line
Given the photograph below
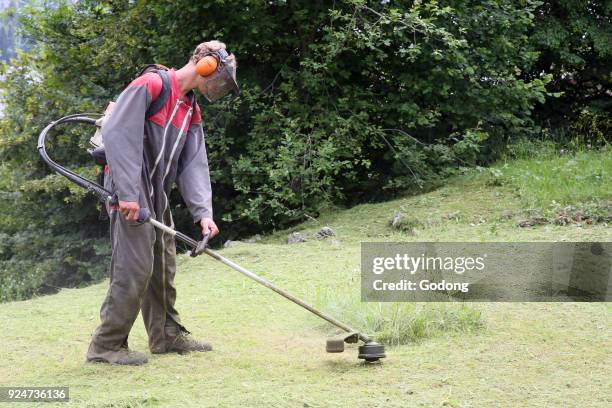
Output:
x=593 y=213
x=532 y=221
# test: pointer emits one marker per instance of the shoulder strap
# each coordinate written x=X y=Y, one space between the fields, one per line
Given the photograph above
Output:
x=163 y=96
x=192 y=98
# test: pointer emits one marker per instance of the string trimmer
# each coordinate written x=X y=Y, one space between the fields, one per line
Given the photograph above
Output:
x=370 y=351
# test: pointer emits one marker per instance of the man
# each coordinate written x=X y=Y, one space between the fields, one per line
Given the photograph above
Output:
x=146 y=155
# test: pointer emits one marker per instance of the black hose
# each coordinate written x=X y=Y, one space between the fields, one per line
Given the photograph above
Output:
x=94 y=188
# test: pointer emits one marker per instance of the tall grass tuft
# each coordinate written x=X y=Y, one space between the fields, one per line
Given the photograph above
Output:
x=400 y=323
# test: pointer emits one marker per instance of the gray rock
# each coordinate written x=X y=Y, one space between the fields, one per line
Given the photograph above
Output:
x=397 y=220
x=324 y=233
x=403 y=223
x=296 y=238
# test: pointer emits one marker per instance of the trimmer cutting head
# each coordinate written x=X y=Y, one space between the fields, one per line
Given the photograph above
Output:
x=370 y=351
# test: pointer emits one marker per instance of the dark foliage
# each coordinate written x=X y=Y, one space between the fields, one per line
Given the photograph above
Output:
x=343 y=102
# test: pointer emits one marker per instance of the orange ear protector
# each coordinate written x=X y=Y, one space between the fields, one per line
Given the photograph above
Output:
x=207 y=65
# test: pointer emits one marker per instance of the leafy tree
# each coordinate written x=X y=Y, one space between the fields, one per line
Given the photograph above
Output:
x=574 y=41
x=341 y=103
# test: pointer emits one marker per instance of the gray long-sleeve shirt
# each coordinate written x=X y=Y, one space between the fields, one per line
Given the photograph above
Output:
x=146 y=156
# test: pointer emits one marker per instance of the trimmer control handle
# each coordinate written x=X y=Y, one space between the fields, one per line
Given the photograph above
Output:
x=201 y=246
x=144 y=215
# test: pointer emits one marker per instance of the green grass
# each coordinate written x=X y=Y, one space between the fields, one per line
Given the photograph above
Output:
x=271 y=353
x=403 y=323
x=549 y=180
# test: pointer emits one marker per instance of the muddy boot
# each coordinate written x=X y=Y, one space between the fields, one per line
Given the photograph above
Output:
x=185 y=343
x=124 y=356
x=179 y=341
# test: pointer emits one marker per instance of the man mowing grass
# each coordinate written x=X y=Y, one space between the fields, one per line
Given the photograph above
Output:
x=147 y=151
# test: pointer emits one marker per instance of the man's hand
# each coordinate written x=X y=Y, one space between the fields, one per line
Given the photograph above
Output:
x=208 y=225
x=130 y=209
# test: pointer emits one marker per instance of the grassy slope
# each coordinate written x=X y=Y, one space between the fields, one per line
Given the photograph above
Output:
x=271 y=353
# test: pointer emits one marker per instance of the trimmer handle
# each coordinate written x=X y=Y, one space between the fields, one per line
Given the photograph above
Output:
x=201 y=246
x=143 y=215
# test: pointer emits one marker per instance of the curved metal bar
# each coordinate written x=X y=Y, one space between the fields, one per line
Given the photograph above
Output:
x=94 y=188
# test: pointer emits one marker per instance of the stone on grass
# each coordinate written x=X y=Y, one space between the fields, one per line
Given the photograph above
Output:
x=324 y=233
x=296 y=238
x=403 y=223
x=397 y=220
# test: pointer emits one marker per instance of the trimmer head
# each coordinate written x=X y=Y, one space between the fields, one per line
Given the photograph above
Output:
x=372 y=351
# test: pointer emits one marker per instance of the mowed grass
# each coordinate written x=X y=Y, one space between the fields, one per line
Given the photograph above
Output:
x=271 y=353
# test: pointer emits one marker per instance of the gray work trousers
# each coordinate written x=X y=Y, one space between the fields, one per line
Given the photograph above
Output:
x=142 y=272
